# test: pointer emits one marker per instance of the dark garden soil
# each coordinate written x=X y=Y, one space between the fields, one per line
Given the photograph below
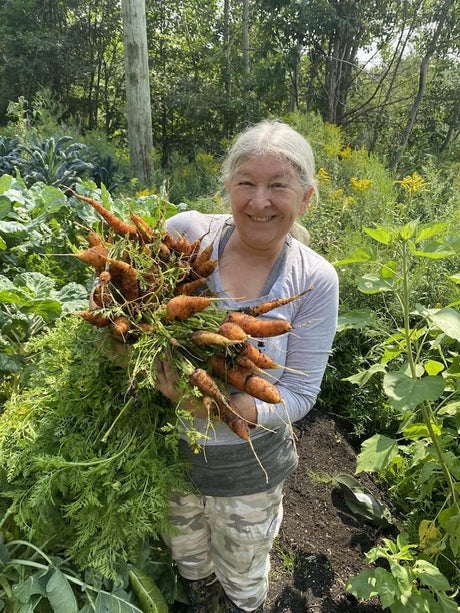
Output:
x=321 y=544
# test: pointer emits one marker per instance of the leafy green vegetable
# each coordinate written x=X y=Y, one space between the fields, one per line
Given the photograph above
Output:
x=97 y=501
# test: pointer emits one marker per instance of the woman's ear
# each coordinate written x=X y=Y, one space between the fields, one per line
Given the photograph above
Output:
x=306 y=199
x=227 y=184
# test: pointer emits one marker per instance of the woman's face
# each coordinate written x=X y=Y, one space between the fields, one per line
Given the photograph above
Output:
x=266 y=197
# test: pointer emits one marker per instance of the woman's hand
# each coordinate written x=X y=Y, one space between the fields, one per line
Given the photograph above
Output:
x=167 y=382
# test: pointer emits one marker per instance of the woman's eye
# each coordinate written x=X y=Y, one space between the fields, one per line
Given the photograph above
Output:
x=279 y=185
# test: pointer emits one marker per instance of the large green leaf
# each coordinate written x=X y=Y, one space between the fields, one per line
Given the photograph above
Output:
x=34 y=584
x=434 y=250
x=12 y=227
x=430 y=575
x=447 y=320
x=381 y=234
x=373 y=284
x=356 y=320
x=60 y=594
x=73 y=297
x=40 y=285
x=147 y=591
x=426 y=232
x=407 y=393
x=363 y=376
x=376 y=453
x=360 y=256
x=114 y=603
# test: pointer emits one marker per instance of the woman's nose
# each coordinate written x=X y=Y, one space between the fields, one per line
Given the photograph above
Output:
x=261 y=197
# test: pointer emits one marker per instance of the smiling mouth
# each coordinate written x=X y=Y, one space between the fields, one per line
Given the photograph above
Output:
x=261 y=219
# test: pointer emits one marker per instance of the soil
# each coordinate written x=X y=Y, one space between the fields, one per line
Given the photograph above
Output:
x=321 y=543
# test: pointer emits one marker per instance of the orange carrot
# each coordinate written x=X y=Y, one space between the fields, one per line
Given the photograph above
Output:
x=188 y=287
x=232 y=331
x=101 y=296
x=259 y=328
x=183 y=246
x=205 y=269
x=164 y=253
x=95 y=318
x=120 y=328
x=245 y=380
x=182 y=307
x=94 y=256
x=118 y=226
x=203 y=257
x=204 y=338
x=94 y=239
x=227 y=413
x=124 y=277
x=265 y=307
x=104 y=278
x=143 y=228
x=262 y=360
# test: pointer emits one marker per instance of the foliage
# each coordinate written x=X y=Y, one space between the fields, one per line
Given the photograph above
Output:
x=85 y=463
x=29 y=578
x=411 y=583
x=422 y=389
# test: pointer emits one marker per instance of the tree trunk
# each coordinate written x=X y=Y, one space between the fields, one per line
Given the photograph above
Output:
x=137 y=90
x=431 y=48
x=246 y=65
x=228 y=68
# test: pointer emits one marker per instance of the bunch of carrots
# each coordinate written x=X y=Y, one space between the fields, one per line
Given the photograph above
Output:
x=151 y=292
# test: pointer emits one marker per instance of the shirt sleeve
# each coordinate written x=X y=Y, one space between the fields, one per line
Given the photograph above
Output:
x=307 y=351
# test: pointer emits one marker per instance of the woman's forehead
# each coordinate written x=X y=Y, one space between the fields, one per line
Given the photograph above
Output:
x=266 y=164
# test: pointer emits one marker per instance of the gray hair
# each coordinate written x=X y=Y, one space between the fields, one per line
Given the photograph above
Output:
x=275 y=138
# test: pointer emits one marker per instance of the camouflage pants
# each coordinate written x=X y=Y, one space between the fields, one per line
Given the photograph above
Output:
x=231 y=536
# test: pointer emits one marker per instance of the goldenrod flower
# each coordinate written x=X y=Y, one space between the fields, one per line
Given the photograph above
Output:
x=361 y=185
x=143 y=192
x=337 y=194
x=323 y=175
x=412 y=183
x=332 y=150
x=345 y=152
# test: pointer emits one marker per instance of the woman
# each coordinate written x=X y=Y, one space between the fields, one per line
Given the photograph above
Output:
x=225 y=533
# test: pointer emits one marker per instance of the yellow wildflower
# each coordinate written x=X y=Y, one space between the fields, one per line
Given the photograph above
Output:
x=347 y=202
x=337 y=194
x=345 y=152
x=323 y=175
x=361 y=185
x=412 y=183
x=332 y=150
x=143 y=192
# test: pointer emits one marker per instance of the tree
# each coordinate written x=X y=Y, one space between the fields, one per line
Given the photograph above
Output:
x=440 y=22
x=138 y=89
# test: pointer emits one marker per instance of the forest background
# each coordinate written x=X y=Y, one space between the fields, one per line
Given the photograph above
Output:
x=374 y=86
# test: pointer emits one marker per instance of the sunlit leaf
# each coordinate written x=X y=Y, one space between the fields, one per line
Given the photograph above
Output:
x=407 y=393
x=372 y=284
x=376 y=453
x=430 y=575
x=435 y=250
x=359 y=256
x=433 y=367
x=447 y=320
x=415 y=431
x=430 y=231
x=381 y=234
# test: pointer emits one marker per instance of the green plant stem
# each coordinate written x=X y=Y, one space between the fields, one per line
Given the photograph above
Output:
x=6 y=588
x=425 y=407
